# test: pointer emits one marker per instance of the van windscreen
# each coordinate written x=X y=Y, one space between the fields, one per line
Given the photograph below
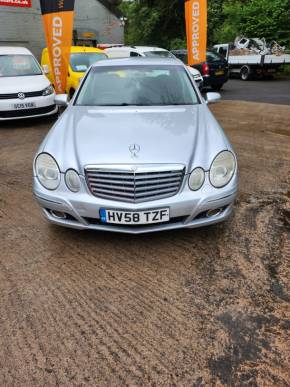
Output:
x=18 y=66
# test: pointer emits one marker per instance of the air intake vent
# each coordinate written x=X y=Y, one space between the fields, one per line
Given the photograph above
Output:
x=127 y=185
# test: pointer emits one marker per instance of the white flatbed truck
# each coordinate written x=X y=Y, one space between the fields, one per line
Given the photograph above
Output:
x=248 y=66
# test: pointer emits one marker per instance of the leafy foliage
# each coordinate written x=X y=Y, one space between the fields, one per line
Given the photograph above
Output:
x=256 y=18
x=161 y=22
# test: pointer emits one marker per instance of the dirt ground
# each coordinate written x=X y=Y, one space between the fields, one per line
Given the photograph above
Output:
x=206 y=307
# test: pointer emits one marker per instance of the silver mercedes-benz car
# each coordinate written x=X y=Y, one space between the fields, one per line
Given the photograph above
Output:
x=136 y=150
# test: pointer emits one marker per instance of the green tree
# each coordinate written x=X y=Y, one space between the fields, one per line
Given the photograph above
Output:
x=154 y=22
x=255 y=18
x=161 y=22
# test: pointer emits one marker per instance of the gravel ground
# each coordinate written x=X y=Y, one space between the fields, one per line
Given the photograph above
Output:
x=206 y=307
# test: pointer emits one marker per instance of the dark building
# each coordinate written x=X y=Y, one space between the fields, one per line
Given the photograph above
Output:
x=96 y=21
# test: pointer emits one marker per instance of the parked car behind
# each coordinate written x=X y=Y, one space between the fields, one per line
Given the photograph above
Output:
x=196 y=76
x=142 y=154
x=215 y=71
x=81 y=59
x=24 y=90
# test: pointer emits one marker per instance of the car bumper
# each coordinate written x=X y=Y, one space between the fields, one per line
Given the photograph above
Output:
x=212 y=81
x=188 y=209
x=44 y=106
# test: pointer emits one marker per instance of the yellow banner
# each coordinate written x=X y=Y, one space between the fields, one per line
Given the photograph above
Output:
x=196 y=30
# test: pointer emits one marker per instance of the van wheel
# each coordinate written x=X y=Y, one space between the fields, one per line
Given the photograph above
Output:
x=71 y=93
x=245 y=73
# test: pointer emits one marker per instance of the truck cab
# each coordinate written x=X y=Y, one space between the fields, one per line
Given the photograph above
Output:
x=222 y=49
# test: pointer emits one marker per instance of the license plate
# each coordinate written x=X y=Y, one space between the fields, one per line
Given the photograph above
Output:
x=220 y=72
x=135 y=217
x=24 y=105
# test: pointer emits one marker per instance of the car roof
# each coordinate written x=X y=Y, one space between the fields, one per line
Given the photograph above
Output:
x=139 y=61
x=184 y=51
x=147 y=48
x=79 y=49
x=86 y=49
x=180 y=51
x=138 y=48
x=14 y=50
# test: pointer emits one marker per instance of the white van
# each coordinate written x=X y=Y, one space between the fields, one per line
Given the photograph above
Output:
x=25 y=91
x=133 y=51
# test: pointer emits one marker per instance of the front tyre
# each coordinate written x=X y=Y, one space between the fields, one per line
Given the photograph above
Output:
x=245 y=73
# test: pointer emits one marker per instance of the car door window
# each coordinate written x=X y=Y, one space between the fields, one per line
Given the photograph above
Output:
x=132 y=53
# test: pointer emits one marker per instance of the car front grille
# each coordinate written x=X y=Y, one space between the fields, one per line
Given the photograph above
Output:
x=135 y=186
x=29 y=94
x=27 y=112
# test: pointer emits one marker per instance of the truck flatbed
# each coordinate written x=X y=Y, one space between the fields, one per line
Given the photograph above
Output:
x=259 y=59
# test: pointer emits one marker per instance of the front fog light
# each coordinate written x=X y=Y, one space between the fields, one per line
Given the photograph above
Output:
x=72 y=180
x=47 y=171
x=196 y=179
x=222 y=169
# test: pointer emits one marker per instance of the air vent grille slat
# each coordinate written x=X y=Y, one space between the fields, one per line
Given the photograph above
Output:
x=28 y=94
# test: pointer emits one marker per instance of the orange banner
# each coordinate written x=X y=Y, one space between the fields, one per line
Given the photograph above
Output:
x=58 y=19
x=196 y=30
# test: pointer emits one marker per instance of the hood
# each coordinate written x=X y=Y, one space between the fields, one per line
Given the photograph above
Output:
x=169 y=135
x=9 y=85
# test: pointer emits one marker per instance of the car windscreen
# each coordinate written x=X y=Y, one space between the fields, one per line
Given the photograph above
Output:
x=160 y=54
x=18 y=66
x=137 y=86
x=80 y=62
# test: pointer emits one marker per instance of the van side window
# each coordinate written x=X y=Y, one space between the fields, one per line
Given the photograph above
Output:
x=132 y=53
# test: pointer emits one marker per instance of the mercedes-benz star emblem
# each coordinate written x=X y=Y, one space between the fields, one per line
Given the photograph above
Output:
x=21 y=95
x=134 y=149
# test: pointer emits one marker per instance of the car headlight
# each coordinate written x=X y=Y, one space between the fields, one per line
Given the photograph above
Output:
x=47 y=171
x=48 y=91
x=72 y=180
x=196 y=179
x=222 y=169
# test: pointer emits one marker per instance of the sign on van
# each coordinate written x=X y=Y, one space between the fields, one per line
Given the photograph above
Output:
x=16 y=3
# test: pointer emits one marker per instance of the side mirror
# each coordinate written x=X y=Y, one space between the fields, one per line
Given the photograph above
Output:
x=213 y=97
x=61 y=100
x=45 y=69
